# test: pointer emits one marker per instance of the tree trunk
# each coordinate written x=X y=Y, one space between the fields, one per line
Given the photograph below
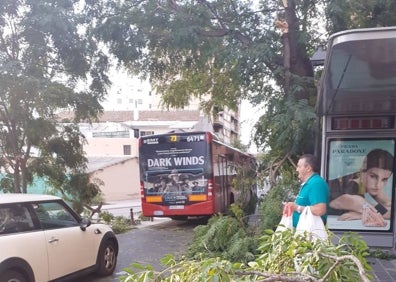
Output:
x=17 y=180
x=300 y=64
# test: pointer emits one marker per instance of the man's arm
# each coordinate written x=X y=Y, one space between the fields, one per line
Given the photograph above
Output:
x=318 y=209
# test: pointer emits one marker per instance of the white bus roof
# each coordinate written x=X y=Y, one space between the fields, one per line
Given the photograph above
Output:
x=359 y=73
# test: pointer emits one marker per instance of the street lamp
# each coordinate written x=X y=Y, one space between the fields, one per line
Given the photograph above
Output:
x=319 y=56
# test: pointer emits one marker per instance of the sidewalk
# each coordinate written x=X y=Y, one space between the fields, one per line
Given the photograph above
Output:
x=125 y=207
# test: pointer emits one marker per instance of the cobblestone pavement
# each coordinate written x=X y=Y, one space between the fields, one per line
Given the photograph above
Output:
x=383 y=270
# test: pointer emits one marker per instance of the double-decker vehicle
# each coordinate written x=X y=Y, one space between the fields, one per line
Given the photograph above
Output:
x=357 y=104
x=192 y=174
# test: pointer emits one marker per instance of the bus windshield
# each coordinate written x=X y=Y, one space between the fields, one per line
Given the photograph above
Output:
x=174 y=167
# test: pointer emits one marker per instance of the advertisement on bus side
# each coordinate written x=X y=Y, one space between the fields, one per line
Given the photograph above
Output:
x=360 y=177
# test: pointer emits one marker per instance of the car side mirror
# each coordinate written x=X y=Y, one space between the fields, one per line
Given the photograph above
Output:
x=85 y=222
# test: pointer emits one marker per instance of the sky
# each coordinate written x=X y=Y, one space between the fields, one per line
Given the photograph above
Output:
x=249 y=115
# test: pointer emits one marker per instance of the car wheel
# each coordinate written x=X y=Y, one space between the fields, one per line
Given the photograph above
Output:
x=107 y=259
x=12 y=276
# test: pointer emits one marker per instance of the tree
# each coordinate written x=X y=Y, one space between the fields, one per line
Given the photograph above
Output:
x=45 y=58
x=225 y=51
x=342 y=15
x=222 y=52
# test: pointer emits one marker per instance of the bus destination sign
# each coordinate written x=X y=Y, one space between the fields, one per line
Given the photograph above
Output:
x=362 y=123
x=187 y=138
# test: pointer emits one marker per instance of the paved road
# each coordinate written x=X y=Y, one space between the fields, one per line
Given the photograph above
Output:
x=147 y=244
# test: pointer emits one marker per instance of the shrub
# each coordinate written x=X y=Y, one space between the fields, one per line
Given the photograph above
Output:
x=270 y=208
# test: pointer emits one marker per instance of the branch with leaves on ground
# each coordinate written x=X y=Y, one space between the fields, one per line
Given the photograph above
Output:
x=282 y=256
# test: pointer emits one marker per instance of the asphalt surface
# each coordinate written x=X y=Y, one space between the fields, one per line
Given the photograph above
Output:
x=383 y=270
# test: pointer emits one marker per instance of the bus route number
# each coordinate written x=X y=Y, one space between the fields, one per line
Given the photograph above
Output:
x=173 y=138
x=193 y=138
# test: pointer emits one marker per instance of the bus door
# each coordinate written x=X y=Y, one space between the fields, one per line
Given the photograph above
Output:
x=221 y=197
x=357 y=106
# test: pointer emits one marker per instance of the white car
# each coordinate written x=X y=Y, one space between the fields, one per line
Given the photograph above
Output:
x=43 y=239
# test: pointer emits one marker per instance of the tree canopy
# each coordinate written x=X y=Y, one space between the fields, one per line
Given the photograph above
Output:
x=54 y=55
x=223 y=52
x=47 y=63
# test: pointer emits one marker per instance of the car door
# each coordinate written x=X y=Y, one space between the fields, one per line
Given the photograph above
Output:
x=70 y=249
x=22 y=239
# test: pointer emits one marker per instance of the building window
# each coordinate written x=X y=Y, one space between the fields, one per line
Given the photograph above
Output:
x=144 y=133
x=127 y=149
x=140 y=101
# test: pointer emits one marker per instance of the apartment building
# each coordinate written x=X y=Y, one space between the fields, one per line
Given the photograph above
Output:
x=135 y=95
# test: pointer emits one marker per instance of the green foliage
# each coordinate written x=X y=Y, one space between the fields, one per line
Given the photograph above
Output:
x=283 y=256
x=383 y=254
x=212 y=269
x=343 y=15
x=284 y=252
x=106 y=216
x=223 y=236
x=270 y=208
x=120 y=224
x=48 y=63
x=210 y=49
x=288 y=127
x=244 y=183
x=247 y=202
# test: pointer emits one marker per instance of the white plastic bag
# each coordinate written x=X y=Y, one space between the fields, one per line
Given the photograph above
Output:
x=285 y=223
x=286 y=220
x=311 y=224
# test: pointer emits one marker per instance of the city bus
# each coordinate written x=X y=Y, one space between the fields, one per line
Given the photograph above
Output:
x=192 y=174
x=357 y=109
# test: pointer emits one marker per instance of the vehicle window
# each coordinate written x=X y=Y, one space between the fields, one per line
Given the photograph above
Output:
x=15 y=218
x=54 y=215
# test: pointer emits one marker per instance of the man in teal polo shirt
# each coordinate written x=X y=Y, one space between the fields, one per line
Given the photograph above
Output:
x=314 y=191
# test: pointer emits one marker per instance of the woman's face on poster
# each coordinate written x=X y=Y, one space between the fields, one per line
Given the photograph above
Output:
x=375 y=179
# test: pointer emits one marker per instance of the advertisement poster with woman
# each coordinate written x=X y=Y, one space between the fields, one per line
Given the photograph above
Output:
x=360 y=177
